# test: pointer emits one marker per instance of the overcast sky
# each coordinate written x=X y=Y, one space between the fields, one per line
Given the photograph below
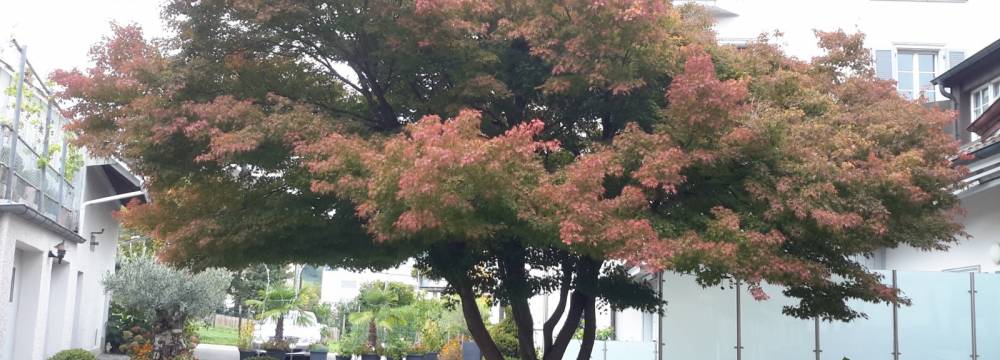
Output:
x=59 y=33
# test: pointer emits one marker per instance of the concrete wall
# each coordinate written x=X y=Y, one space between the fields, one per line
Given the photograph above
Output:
x=59 y=306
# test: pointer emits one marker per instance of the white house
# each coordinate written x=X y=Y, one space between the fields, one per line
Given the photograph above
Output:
x=58 y=236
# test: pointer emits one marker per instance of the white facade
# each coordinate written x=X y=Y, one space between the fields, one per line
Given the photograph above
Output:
x=47 y=304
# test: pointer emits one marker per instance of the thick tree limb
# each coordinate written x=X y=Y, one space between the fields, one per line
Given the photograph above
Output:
x=589 y=328
x=474 y=320
x=557 y=313
x=576 y=305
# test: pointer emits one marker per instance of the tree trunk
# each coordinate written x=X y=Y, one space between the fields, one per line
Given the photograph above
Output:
x=550 y=324
x=589 y=328
x=168 y=335
x=474 y=320
x=279 y=328
x=521 y=312
x=573 y=317
x=372 y=335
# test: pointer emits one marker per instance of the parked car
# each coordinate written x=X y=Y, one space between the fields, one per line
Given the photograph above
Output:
x=299 y=330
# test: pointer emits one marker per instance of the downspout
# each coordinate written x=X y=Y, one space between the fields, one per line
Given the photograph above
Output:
x=954 y=105
x=83 y=206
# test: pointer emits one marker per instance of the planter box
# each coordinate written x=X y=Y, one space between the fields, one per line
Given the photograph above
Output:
x=244 y=354
x=431 y=356
x=343 y=357
x=371 y=357
x=317 y=355
x=414 y=357
x=275 y=354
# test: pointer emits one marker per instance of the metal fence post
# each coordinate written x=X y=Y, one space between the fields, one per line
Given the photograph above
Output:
x=895 y=321
x=9 y=190
x=818 y=349
x=739 y=325
x=45 y=154
x=972 y=301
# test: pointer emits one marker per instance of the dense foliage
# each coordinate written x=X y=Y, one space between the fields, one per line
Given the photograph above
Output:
x=518 y=147
x=73 y=354
x=166 y=298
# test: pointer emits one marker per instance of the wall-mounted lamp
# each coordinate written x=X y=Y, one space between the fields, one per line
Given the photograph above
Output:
x=60 y=252
x=93 y=238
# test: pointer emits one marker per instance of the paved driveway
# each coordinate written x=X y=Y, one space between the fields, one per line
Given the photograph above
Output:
x=216 y=352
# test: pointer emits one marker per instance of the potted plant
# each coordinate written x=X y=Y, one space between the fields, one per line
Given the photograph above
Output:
x=396 y=349
x=369 y=353
x=416 y=352
x=245 y=341
x=275 y=349
x=348 y=346
x=318 y=351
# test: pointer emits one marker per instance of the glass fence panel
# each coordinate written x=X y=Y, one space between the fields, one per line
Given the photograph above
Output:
x=26 y=164
x=700 y=323
x=51 y=183
x=612 y=350
x=937 y=326
x=988 y=316
x=67 y=193
x=861 y=339
x=50 y=207
x=770 y=335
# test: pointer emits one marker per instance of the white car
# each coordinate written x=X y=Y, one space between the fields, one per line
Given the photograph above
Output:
x=298 y=336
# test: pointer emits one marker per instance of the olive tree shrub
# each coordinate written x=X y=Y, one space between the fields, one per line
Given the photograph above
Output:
x=167 y=297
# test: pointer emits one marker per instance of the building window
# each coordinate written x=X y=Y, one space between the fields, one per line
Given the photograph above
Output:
x=983 y=97
x=915 y=70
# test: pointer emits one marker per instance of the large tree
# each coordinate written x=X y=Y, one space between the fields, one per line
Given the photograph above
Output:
x=583 y=137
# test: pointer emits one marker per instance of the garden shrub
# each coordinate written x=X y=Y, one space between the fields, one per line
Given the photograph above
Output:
x=452 y=350
x=73 y=354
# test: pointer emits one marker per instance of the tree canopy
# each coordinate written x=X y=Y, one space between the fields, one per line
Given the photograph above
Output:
x=518 y=147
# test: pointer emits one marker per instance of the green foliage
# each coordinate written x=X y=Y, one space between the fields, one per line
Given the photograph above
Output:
x=74 y=162
x=73 y=354
x=245 y=336
x=250 y=282
x=166 y=298
x=504 y=334
x=275 y=304
x=120 y=320
x=145 y=286
x=275 y=344
x=218 y=336
x=318 y=347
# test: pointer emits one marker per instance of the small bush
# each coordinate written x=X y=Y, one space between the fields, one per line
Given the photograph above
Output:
x=452 y=350
x=73 y=354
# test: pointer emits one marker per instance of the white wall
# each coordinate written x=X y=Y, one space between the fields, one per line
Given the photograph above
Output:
x=982 y=222
x=50 y=316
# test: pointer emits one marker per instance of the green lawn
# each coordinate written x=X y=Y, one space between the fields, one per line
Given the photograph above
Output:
x=218 y=336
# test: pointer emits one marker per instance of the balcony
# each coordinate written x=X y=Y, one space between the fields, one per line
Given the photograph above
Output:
x=36 y=169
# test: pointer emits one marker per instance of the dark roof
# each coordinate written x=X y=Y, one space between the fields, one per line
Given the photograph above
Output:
x=969 y=62
x=121 y=184
x=988 y=123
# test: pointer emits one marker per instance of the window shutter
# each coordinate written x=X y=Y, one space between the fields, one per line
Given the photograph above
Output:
x=955 y=58
x=883 y=64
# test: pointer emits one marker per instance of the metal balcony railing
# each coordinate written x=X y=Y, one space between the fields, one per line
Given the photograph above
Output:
x=33 y=147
